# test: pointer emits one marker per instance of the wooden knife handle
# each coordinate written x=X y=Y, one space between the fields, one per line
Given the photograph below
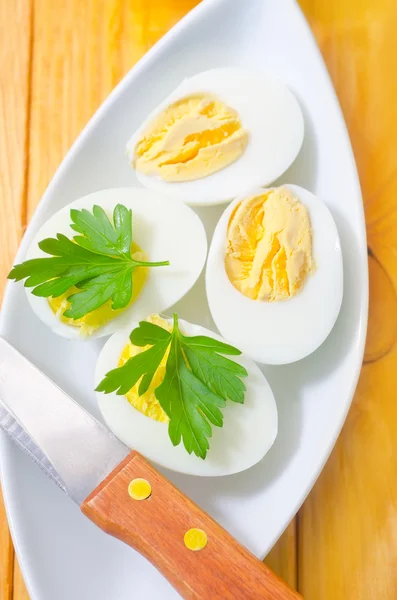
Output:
x=156 y=527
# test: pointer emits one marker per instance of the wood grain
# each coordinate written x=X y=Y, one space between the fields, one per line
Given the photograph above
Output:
x=282 y=559
x=19 y=589
x=6 y=557
x=15 y=65
x=50 y=85
x=223 y=570
x=347 y=527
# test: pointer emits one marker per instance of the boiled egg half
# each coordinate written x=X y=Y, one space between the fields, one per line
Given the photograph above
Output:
x=274 y=275
x=161 y=231
x=248 y=431
x=219 y=133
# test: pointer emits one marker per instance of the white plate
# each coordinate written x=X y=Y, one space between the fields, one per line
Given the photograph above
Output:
x=62 y=555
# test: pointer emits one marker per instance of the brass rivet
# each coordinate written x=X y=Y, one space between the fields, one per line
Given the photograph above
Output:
x=195 y=539
x=139 y=489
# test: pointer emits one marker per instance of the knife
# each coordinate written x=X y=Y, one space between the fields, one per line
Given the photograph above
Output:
x=98 y=472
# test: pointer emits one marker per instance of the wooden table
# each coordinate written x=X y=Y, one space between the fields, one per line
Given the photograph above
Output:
x=58 y=62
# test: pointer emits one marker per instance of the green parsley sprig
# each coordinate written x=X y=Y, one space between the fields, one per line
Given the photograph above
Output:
x=98 y=262
x=198 y=380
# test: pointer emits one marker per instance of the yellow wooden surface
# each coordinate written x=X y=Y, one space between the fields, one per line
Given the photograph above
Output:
x=58 y=61
x=348 y=526
x=15 y=62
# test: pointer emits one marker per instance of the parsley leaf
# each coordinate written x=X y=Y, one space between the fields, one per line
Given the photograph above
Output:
x=98 y=234
x=197 y=383
x=98 y=262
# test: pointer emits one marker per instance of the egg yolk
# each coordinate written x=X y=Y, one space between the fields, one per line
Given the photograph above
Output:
x=147 y=404
x=192 y=138
x=269 y=246
x=105 y=313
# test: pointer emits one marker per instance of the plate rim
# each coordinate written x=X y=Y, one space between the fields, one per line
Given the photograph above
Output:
x=198 y=11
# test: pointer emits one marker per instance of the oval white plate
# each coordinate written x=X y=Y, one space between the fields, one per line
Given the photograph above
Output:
x=63 y=556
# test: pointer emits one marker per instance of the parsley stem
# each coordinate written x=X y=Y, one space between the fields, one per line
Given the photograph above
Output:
x=141 y=263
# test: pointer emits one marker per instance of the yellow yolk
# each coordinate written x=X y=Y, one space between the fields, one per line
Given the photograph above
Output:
x=269 y=246
x=190 y=139
x=102 y=315
x=147 y=404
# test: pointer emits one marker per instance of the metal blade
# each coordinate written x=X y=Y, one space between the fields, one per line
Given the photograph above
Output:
x=16 y=432
x=72 y=447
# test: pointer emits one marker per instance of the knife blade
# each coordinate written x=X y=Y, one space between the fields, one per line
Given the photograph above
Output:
x=75 y=449
x=16 y=432
x=95 y=469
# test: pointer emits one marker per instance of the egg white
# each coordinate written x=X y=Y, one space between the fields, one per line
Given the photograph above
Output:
x=270 y=113
x=164 y=230
x=285 y=331
x=248 y=432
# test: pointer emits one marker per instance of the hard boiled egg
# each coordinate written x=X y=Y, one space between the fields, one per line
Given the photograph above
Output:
x=161 y=230
x=219 y=133
x=248 y=431
x=274 y=275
